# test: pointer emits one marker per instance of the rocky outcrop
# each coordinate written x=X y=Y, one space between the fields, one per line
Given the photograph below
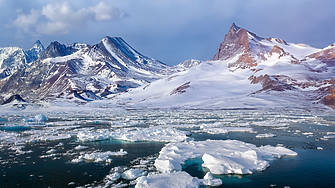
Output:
x=270 y=83
x=239 y=41
x=13 y=98
x=326 y=55
x=329 y=100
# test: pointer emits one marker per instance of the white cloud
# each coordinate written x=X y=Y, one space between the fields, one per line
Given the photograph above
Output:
x=104 y=12
x=61 y=18
x=26 y=21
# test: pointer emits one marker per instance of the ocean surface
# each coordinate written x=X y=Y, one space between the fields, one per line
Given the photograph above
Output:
x=35 y=152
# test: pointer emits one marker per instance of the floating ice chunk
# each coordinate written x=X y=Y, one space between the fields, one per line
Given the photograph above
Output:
x=55 y=137
x=168 y=180
x=18 y=150
x=41 y=118
x=224 y=130
x=65 y=123
x=60 y=144
x=92 y=136
x=270 y=124
x=210 y=180
x=80 y=159
x=113 y=177
x=47 y=156
x=79 y=147
x=328 y=136
x=51 y=151
x=219 y=156
x=319 y=148
x=266 y=135
x=132 y=174
x=99 y=157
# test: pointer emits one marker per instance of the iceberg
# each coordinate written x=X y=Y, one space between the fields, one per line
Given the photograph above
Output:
x=220 y=156
x=41 y=118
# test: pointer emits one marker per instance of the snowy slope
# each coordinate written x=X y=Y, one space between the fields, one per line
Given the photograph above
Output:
x=247 y=71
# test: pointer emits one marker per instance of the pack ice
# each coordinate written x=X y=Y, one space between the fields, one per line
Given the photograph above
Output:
x=220 y=156
x=135 y=134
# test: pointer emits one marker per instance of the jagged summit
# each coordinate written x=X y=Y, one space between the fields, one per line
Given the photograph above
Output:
x=35 y=51
x=234 y=28
x=38 y=43
x=236 y=41
x=55 y=49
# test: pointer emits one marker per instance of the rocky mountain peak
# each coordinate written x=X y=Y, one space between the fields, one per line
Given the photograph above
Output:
x=38 y=44
x=35 y=51
x=237 y=41
x=234 y=29
x=55 y=49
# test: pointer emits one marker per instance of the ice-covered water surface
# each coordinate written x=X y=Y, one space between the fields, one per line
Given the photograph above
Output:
x=94 y=141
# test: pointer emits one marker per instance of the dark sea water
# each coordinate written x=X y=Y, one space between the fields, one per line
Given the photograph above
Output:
x=311 y=168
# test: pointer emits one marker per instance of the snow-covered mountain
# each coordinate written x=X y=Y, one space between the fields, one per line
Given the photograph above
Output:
x=81 y=72
x=247 y=71
x=13 y=58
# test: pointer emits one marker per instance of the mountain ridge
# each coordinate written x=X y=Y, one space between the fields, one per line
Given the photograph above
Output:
x=246 y=72
x=81 y=73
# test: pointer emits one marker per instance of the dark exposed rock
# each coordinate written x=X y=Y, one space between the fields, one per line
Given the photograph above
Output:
x=55 y=49
x=13 y=98
x=181 y=89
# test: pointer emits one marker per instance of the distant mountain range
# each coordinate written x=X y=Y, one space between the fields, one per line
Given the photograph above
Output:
x=77 y=72
x=246 y=72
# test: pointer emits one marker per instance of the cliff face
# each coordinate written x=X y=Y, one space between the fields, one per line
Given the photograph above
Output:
x=243 y=43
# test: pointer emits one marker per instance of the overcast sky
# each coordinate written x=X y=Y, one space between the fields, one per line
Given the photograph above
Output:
x=168 y=30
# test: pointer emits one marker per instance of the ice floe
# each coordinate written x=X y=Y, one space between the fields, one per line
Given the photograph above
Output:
x=168 y=180
x=98 y=157
x=224 y=130
x=132 y=174
x=79 y=147
x=266 y=135
x=220 y=156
